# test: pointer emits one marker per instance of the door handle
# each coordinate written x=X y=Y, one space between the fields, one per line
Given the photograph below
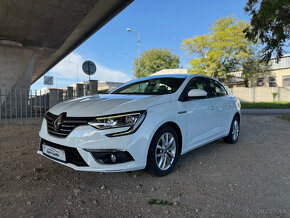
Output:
x=211 y=108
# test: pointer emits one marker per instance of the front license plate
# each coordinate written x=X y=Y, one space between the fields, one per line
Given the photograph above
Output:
x=54 y=152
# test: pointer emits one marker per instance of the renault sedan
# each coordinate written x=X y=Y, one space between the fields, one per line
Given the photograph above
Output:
x=147 y=124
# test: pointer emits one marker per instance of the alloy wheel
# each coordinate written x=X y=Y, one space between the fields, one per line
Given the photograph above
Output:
x=165 y=151
x=235 y=130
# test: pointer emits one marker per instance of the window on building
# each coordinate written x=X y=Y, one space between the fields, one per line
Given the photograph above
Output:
x=286 y=81
x=272 y=81
x=261 y=81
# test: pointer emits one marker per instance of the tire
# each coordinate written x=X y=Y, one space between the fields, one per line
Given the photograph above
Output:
x=162 y=156
x=234 y=133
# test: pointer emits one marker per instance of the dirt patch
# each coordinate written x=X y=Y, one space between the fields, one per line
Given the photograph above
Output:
x=248 y=179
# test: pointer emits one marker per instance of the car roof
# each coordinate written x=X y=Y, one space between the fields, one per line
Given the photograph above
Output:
x=169 y=75
x=174 y=76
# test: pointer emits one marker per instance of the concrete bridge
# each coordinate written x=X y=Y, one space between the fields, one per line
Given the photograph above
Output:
x=36 y=35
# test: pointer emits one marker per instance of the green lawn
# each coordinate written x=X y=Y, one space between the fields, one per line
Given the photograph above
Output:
x=267 y=105
x=285 y=117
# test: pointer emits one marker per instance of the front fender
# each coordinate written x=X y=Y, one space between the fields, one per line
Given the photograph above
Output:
x=158 y=115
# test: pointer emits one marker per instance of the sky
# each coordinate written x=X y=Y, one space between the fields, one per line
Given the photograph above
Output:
x=160 y=23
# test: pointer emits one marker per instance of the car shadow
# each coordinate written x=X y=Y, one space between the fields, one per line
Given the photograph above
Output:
x=202 y=151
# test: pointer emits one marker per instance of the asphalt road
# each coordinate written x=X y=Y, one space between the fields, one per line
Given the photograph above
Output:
x=265 y=111
x=248 y=179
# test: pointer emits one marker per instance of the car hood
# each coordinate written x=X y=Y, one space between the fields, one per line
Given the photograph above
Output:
x=99 y=105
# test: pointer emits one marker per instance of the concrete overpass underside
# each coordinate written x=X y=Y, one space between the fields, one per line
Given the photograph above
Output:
x=36 y=35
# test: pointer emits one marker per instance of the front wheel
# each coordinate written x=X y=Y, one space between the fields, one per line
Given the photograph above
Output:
x=234 y=133
x=163 y=151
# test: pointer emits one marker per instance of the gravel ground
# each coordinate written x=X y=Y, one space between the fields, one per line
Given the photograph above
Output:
x=248 y=179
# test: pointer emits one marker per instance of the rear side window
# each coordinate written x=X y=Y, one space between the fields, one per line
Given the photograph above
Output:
x=217 y=89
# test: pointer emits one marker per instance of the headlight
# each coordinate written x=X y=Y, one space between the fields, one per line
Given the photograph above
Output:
x=132 y=120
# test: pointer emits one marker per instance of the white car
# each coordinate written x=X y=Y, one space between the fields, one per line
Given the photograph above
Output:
x=146 y=123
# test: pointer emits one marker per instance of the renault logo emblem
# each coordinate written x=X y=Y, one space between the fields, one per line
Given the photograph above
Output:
x=58 y=121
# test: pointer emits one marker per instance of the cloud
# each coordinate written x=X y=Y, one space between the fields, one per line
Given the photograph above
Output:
x=71 y=66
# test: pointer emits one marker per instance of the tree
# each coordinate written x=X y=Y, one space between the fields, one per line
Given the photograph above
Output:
x=252 y=67
x=271 y=24
x=223 y=51
x=154 y=60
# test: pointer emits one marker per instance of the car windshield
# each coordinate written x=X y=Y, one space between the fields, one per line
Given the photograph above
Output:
x=155 y=86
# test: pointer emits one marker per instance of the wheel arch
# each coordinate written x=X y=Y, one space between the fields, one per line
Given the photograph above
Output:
x=238 y=116
x=228 y=126
x=178 y=132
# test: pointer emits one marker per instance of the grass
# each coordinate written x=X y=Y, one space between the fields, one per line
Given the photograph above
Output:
x=266 y=105
x=285 y=117
x=159 y=202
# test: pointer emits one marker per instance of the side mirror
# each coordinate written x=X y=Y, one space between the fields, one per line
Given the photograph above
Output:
x=196 y=93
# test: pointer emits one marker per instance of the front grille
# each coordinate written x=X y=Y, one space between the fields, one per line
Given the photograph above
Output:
x=72 y=155
x=67 y=125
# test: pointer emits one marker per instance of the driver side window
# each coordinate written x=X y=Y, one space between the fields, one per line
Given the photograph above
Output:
x=196 y=83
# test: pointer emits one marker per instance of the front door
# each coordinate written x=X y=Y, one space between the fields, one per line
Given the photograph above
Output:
x=198 y=115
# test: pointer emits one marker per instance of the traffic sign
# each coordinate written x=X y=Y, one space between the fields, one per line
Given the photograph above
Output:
x=89 y=68
x=48 y=80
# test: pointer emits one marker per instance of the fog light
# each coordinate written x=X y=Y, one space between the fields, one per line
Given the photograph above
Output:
x=113 y=158
x=110 y=156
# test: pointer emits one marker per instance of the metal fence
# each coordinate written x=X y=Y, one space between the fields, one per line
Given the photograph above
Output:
x=19 y=103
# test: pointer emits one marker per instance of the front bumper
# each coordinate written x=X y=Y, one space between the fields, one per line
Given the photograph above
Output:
x=84 y=139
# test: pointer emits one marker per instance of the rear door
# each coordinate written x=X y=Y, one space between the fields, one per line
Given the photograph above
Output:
x=221 y=106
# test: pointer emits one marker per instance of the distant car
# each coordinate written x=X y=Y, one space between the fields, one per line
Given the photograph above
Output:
x=146 y=123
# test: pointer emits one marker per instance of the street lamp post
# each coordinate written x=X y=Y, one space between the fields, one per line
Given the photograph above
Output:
x=77 y=70
x=138 y=59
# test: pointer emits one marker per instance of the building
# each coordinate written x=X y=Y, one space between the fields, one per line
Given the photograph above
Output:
x=278 y=74
x=109 y=86
x=80 y=88
x=102 y=86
